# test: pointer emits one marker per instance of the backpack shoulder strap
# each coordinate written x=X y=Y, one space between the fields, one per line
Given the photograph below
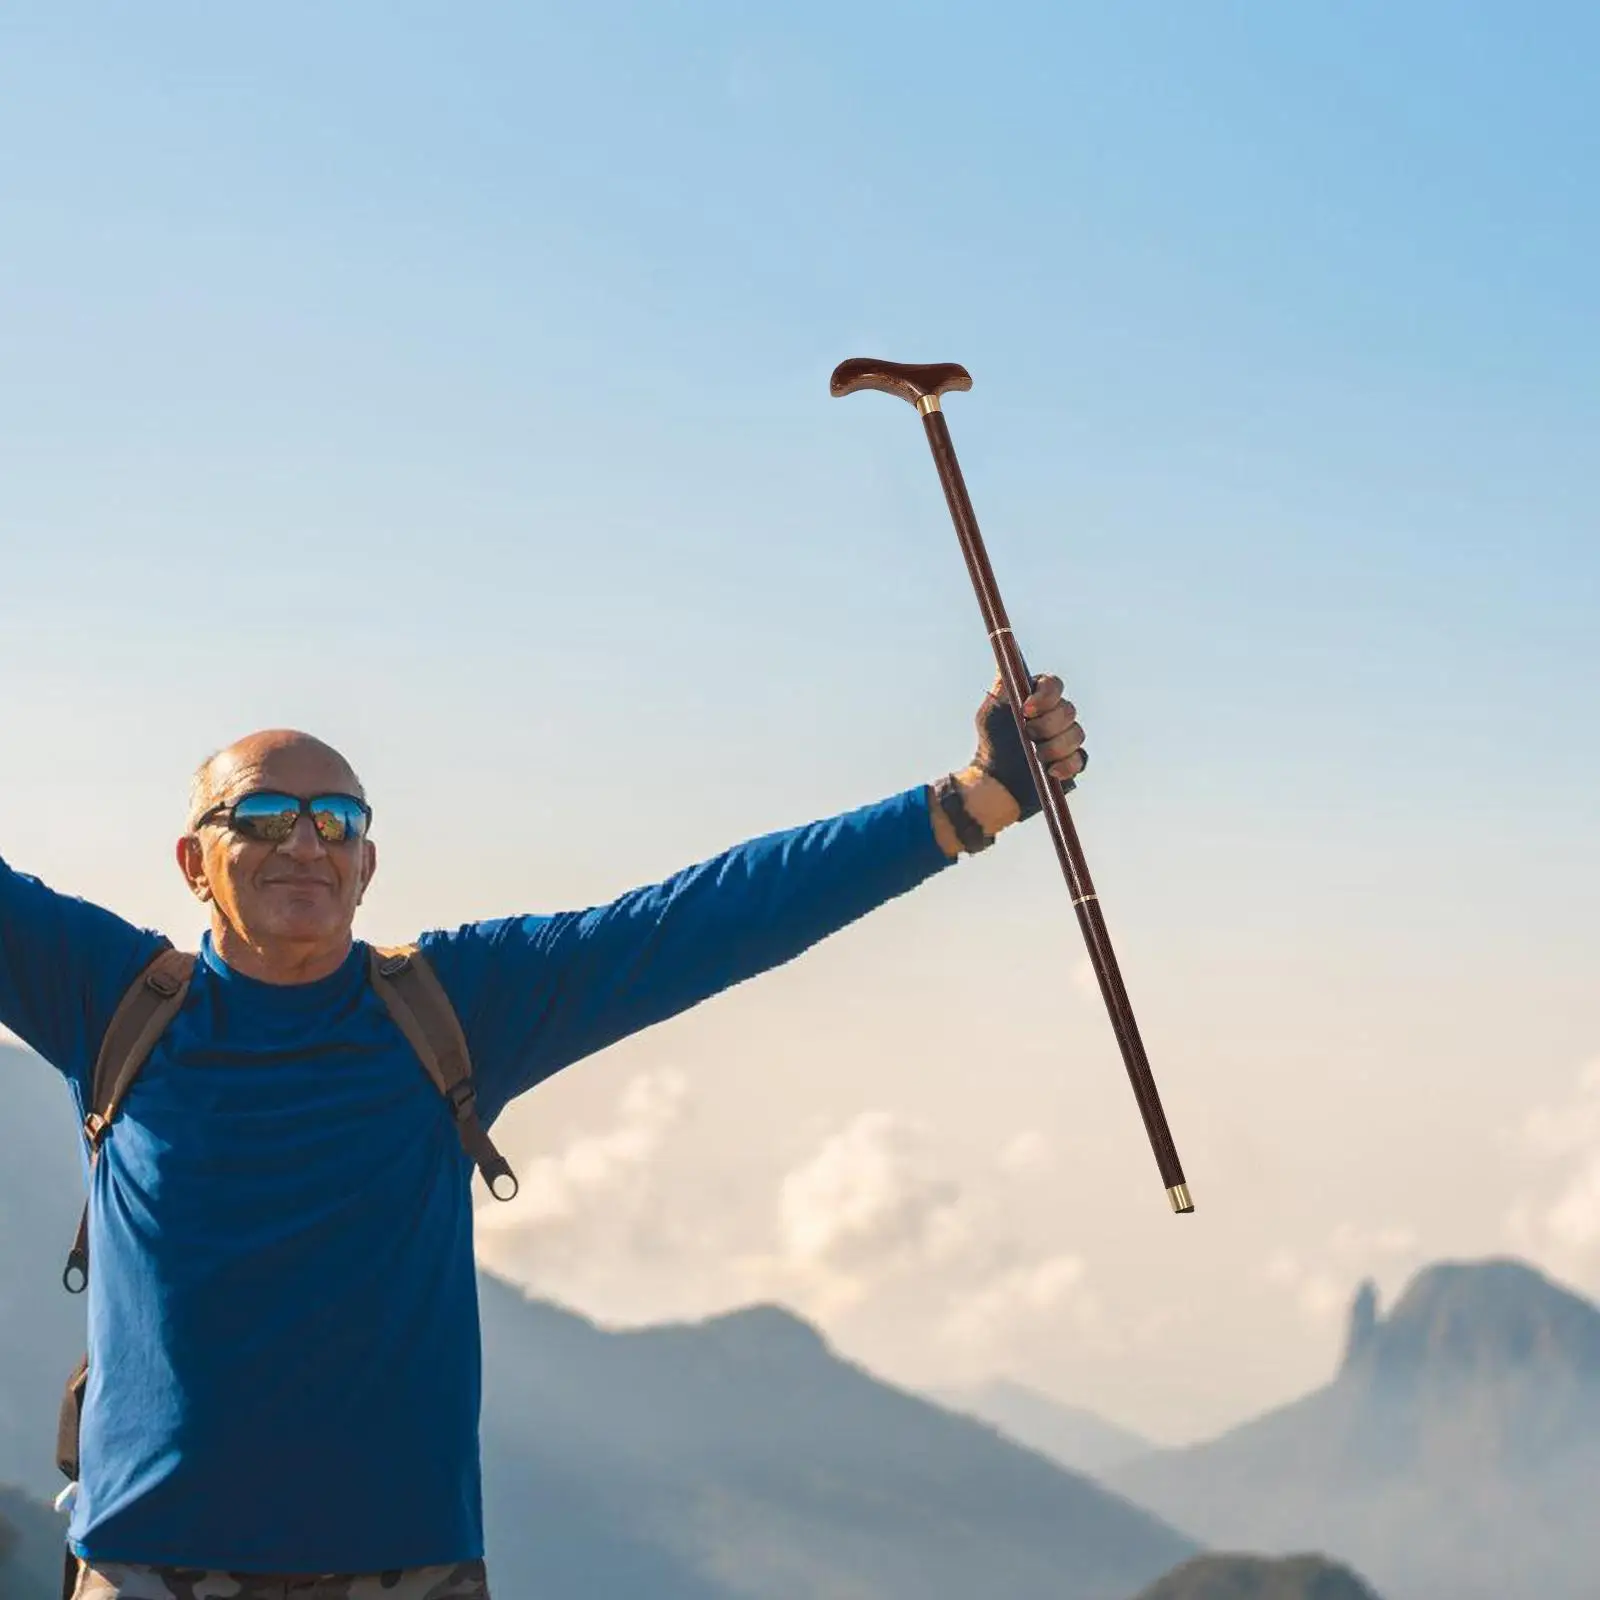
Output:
x=151 y=1001
x=416 y=1000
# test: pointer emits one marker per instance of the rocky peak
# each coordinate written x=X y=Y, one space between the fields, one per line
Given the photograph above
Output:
x=1478 y=1366
x=1475 y=1317
x=1361 y=1334
x=1244 y=1577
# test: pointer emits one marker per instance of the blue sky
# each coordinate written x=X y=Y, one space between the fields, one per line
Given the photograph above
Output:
x=453 y=381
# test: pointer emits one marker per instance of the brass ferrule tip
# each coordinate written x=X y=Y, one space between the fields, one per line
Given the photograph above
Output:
x=929 y=402
x=1178 y=1194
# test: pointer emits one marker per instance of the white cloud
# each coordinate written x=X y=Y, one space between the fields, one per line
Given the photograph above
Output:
x=868 y=1206
x=1568 y=1129
x=869 y=1201
x=558 y=1186
x=990 y=1313
x=1556 y=1219
x=873 y=1223
x=593 y=1204
x=1323 y=1280
x=873 y=1226
x=1027 y=1153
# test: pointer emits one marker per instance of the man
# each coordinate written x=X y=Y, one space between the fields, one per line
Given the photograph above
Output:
x=284 y=1371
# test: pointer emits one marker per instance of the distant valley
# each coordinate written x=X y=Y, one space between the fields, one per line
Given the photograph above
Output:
x=1069 y=1435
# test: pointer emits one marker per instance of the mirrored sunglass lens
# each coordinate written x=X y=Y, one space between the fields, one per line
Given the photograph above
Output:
x=266 y=816
x=337 y=818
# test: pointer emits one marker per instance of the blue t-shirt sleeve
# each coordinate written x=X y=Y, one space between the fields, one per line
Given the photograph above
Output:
x=64 y=965
x=536 y=993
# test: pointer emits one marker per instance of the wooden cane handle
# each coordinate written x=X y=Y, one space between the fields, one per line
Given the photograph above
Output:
x=911 y=383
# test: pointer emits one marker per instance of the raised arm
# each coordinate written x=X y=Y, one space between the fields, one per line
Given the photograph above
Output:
x=539 y=992
x=64 y=964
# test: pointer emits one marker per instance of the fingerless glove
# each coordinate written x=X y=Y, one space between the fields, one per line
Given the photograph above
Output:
x=1000 y=752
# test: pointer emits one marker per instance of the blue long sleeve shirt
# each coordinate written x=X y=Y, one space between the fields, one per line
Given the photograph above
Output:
x=282 y=1309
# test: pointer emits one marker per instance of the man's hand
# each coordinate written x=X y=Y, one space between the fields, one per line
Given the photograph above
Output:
x=996 y=788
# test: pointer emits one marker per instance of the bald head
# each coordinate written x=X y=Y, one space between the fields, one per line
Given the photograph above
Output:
x=282 y=906
x=247 y=761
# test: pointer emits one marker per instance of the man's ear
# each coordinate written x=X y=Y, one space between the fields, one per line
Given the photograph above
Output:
x=192 y=864
x=369 y=868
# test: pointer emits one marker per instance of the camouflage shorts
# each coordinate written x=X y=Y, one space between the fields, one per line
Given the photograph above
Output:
x=112 y=1580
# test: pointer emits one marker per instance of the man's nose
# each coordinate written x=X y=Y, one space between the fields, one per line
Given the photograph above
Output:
x=305 y=843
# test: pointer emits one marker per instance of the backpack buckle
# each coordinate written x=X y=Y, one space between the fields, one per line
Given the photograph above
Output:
x=393 y=966
x=163 y=983
x=461 y=1098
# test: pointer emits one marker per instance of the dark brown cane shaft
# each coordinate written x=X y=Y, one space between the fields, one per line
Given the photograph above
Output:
x=1018 y=684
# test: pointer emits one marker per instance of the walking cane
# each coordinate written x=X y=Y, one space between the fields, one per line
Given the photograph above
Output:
x=922 y=386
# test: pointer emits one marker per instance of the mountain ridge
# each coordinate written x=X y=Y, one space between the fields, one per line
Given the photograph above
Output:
x=32 y=1539
x=1451 y=1453
x=787 y=1437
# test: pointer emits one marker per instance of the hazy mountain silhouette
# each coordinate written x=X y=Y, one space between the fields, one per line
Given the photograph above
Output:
x=737 y=1457
x=30 y=1548
x=1232 y=1577
x=1069 y=1435
x=1455 y=1456
x=41 y=1326
x=759 y=1464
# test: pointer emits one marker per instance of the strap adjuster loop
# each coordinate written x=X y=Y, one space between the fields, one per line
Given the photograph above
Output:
x=75 y=1275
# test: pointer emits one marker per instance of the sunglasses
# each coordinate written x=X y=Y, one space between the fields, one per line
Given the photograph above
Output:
x=271 y=818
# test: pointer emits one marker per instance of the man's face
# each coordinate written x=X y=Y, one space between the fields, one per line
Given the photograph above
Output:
x=301 y=894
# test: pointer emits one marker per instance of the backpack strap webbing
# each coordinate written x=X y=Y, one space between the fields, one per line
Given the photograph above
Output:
x=153 y=999
x=410 y=988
